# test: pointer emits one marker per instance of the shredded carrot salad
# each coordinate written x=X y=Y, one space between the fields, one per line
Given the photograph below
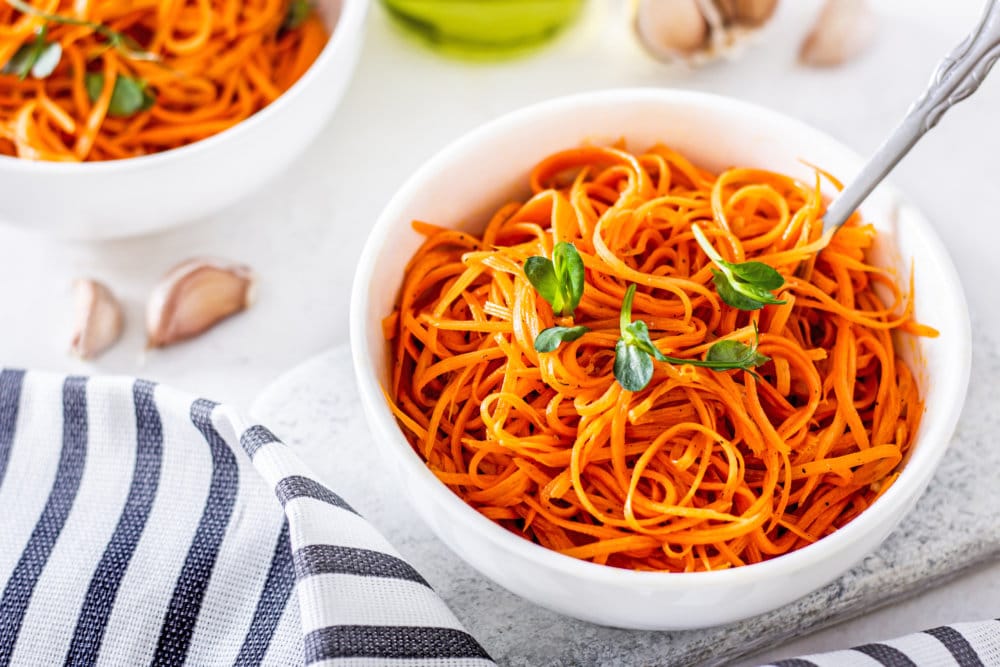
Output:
x=133 y=78
x=702 y=469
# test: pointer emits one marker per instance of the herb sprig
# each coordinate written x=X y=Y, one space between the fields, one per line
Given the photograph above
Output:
x=115 y=40
x=38 y=57
x=746 y=285
x=558 y=280
x=635 y=351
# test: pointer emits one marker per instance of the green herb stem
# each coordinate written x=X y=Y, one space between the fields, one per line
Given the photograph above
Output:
x=635 y=351
x=116 y=40
x=707 y=246
x=625 y=317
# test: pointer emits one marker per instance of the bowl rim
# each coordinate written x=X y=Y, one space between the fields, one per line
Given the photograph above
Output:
x=894 y=502
x=350 y=18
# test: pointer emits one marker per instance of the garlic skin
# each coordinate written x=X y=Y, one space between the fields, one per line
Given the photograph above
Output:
x=698 y=31
x=670 y=28
x=751 y=13
x=98 y=319
x=843 y=30
x=194 y=296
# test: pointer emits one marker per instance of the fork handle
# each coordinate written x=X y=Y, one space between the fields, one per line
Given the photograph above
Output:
x=956 y=77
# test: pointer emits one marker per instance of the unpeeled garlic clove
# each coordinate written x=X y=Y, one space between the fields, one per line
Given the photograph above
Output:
x=751 y=12
x=193 y=297
x=843 y=30
x=698 y=31
x=746 y=12
x=671 y=28
x=98 y=319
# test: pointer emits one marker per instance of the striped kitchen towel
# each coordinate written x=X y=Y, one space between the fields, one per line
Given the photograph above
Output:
x=140 y=526
x=958 y=645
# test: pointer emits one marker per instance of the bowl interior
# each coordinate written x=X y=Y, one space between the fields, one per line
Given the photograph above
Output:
x=471 y=178
x=111 y=199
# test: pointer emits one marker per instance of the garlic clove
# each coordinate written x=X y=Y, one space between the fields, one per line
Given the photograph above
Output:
x=843 y=30
x=98 y=319
x=193 y=297
x=698 y=31
x=745 y=12
x=726 y=8
x=751 y=12
x=671 y=28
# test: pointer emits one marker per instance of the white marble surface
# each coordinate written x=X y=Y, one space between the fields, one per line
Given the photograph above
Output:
x=303 y=233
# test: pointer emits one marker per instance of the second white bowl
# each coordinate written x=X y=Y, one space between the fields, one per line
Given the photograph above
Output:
x=98 y=200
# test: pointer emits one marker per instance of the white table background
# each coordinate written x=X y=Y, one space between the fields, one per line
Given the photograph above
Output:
x=304 y=232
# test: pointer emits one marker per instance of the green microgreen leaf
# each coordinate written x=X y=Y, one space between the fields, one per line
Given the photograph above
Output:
x=559 y=280
x=730 y=296
x=94 y=83
x=298 y=12
x=633 y=367
x=541 y=274
x=551 y=338
x=758 y=274
x=38 y=57
x=636 y=334
x=22 y=61
x=744 y=285
x=47 y=61
x=729 y=355
x=570 y=273
x=734 y=354
x=635 y=351
x=128 y=97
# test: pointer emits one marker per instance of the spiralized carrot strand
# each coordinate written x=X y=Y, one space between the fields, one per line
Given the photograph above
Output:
x=701 y=469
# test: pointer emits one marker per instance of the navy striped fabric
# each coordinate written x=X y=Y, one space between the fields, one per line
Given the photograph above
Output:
x=22 y=580
x=107 y=577
x=10 y=392
x=959 y=645
x=272 y=601
x=141 y=526
x=185 y=604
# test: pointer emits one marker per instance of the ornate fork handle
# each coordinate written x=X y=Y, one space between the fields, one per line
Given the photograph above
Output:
x=956 y=77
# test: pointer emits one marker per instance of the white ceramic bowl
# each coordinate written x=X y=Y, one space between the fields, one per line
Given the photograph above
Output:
x=470 y=178
x=97 y=200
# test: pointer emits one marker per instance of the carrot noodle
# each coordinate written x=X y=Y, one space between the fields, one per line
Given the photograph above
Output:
x=214 y=64
x=701 y=470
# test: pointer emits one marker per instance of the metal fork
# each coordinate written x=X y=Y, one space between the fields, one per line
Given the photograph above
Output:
x=956 y=77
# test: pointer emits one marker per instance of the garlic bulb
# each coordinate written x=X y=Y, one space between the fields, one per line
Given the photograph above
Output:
x=698 y=31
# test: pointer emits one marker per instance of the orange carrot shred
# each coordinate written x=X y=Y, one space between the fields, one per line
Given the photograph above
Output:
x=701 y=470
